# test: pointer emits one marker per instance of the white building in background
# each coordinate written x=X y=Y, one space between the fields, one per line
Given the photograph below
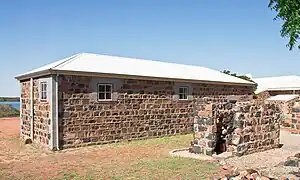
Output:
x=278 y=85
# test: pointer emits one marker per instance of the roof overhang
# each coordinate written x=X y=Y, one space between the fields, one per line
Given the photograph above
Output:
x=34 y=75
x=123 y=76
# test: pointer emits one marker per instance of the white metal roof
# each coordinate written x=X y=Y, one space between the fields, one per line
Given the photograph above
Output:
x=95 y=63
x=283 y=97
x=278 y=83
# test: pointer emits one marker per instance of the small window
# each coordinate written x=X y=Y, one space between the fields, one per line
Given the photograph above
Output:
x=104 y=92
x=183 y=93
x=43 y=91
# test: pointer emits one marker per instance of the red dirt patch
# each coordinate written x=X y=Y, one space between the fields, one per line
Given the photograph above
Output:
x=9 y=127
x=19 y=161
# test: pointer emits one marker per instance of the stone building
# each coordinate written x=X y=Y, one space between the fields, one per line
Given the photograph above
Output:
x=96 y=99
x=278 y=85
x=238 y=128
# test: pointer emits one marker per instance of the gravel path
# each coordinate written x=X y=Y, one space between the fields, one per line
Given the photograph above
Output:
x=271 y=160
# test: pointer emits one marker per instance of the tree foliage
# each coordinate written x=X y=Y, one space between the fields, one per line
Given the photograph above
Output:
x=289 y=12
x=241 y=77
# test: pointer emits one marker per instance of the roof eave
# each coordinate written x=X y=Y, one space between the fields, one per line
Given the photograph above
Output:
x=97 y=74
x=34 y=74
x=124 y=76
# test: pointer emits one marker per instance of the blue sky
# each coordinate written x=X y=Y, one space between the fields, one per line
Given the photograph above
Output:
x=240 y=36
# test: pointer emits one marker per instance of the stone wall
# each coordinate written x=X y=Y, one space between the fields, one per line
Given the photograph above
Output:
x=241 y=128
x=286 y=108
x=261 y=97
x=25 y=122
x=41 y=114
x=140 y=109
x=295 y=124
x=42 y=121
x=296 y=121
x=287 y=111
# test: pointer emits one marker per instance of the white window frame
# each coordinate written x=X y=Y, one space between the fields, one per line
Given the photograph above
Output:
x=105 y=91
x=184 y=93
x=44 y=95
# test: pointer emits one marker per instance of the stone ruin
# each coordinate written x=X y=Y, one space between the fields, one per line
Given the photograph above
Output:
x=236 y=127
x=295 y=123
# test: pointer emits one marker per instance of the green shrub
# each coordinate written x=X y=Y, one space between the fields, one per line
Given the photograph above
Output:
x=8 y=111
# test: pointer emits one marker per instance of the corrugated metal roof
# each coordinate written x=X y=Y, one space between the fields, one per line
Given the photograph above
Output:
x=277 y=83
x=283 y=97
x=95 y=63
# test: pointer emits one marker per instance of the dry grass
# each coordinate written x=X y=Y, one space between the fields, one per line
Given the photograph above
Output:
x=147 y=159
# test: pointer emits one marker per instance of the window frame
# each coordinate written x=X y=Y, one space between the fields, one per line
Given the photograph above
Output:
x=44 y=91
x=105 y=92
x=184 y=93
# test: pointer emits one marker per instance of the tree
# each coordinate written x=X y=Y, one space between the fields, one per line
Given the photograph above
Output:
x=289 y=12
x=241 y=77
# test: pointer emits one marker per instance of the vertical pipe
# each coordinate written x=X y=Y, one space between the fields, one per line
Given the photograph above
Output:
x=20 y=110
x=31 y=109
x=56 y=114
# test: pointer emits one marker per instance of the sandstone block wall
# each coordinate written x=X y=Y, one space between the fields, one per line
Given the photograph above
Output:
x=41 y=114
x=140 y=109
x=41 y=123
x=261 y=97
x=295 y=124
x=241 y=128
x=286 y=108
x=296 y=121
x=25 y=121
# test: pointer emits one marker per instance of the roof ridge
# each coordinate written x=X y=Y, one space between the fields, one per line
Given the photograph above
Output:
x=149 y=60
x=69 y=59
x=169 y=63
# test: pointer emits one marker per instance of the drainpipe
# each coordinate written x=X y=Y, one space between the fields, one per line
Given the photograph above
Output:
x=56 y=114
x=31 y=109
x=20 y=99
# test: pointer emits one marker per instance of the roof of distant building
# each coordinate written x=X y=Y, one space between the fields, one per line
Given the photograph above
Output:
x=283 y=97
x=277 y=83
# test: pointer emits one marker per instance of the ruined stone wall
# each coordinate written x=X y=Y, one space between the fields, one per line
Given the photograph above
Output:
x=247 y=127
x=41 y=123
x=204 y=127
x=295 y=124
x=25 y=122
x=286 y=108
x=261 y=97
x=140 y=109
x=264 y=130
x=287 y=111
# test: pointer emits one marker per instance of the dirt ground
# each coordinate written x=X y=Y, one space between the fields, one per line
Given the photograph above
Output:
x=147 y=159
x=272 y=161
